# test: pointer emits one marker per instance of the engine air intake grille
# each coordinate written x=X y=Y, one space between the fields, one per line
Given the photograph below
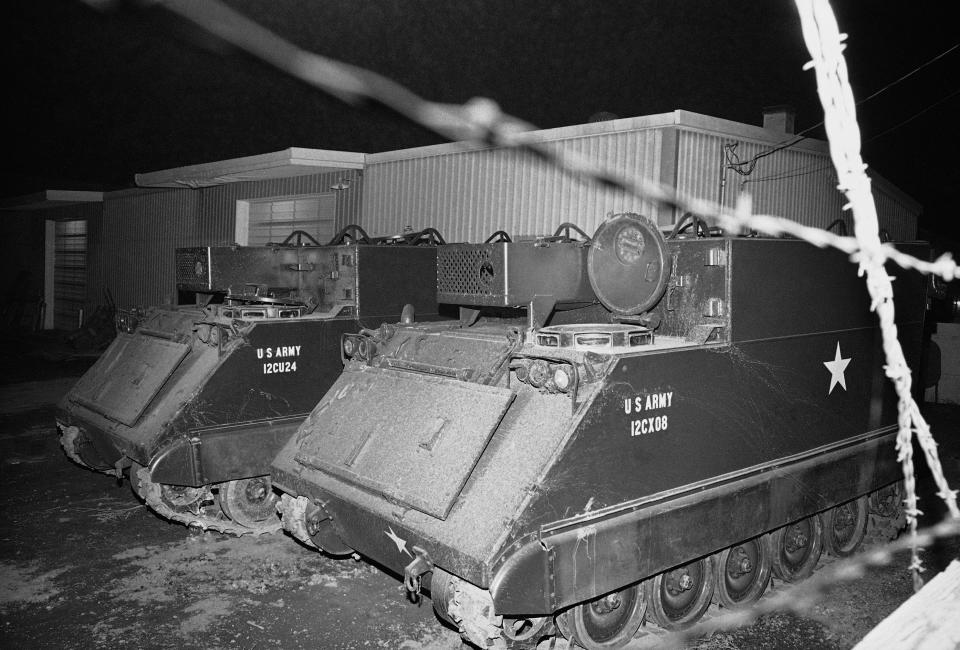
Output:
x=470 y=270
x=193 y=269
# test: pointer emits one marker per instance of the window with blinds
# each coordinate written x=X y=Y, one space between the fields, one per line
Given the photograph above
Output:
x=272 y=221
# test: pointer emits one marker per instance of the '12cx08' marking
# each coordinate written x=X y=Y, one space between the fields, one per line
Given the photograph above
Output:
x=648 y=425
x=278 y=367
x=644 y=403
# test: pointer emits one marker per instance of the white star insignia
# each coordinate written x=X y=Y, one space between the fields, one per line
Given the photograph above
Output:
x=836 y=368
x=396 y=539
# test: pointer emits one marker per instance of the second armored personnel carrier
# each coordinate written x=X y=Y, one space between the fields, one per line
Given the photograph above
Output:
x=672 y=421
x=195 y=400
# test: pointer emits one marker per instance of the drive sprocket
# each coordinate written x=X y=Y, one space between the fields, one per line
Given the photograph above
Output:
x=204 y=517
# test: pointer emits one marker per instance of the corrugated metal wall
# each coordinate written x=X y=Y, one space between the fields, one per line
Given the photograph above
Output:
x=134 y=256
x=470 y=193
x=140 y=230
x=467 y=195
x=896 y=211
x=797 y=183
x=793 y=183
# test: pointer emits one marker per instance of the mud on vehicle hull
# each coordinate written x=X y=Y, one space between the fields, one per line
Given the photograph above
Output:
x=198 y=400
x=560 y=475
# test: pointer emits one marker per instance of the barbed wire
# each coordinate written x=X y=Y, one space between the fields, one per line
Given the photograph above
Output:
x=478 y=120
x=826 y=44
x=481 y=120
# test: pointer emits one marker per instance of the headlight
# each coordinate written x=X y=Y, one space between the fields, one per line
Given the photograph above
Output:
x=563 y=378
x=552 y=377
x=539 y=373
x=349 y=347
x=366 y=349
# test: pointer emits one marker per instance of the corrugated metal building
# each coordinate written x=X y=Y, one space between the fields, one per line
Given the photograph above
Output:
x=465 y=191
x=141 y=228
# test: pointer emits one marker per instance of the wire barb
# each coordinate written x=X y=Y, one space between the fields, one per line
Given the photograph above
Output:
x=825 y=44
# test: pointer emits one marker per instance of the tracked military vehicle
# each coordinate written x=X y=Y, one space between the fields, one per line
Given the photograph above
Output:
x=194 y=401
x=673 y=420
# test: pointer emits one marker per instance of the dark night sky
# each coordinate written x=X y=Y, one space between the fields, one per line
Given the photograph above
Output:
x=97 y=97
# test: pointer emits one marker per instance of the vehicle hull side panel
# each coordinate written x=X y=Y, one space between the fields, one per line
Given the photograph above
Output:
x=799 y=380
x=591 y=557
x=726 y=409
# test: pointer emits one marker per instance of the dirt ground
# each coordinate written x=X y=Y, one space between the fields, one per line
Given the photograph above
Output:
x=84 y=564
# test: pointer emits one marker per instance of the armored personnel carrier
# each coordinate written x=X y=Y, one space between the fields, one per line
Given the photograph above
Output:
x=196 y=400
x=701 y=413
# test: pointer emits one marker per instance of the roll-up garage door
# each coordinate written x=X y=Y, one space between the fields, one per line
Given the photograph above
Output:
x=69 y=273
x=272 y=221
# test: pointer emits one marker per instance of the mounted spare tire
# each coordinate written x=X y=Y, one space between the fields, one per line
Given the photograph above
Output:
x=627 y=264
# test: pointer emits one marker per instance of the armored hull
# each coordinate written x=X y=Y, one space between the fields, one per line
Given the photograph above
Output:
x=198 y=400
x=601 y=471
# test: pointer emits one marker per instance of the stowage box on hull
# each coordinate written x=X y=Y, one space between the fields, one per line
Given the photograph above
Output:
x=551 y=466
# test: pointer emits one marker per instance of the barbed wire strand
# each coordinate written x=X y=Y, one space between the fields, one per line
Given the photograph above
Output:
x=826 y=44
x=481 y=121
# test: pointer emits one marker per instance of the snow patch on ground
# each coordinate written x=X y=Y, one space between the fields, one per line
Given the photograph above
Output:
x=203 y=613
x=26 y=584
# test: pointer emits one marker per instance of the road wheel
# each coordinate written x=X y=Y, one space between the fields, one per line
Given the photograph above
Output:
x=797 y=548
x=678 y=598
x=844 y=527
x=606 y=622
x=249 y=502
x=743 y=572
x=887 y=501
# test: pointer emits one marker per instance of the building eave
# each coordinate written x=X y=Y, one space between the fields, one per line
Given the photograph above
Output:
x=295 y=161
x=50 y=199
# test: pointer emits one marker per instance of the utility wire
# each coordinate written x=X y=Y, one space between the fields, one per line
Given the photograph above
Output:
x=480 y=120
x=914 y=116
x=752 y=163
x=803 y=171
x=906 y=76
